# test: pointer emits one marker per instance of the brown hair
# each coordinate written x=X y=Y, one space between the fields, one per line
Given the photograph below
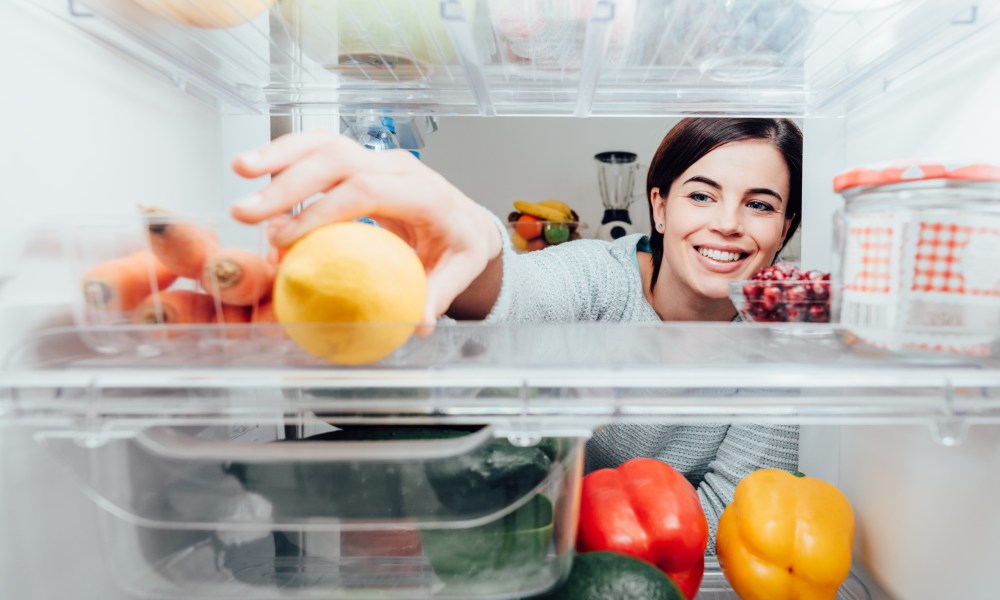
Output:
x=693 y=138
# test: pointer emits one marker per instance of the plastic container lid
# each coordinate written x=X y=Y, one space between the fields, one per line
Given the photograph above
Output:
x=914 y=170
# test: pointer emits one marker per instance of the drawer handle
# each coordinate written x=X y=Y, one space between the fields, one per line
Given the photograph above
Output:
x=171 y=443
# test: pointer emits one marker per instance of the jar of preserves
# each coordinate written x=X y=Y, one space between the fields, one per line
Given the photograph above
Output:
x=917 y=256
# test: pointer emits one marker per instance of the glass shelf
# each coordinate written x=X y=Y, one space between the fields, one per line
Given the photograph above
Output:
x=556 y=379
x=517 y=57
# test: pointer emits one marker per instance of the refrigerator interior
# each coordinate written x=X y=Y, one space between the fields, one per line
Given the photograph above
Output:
x=118 y=107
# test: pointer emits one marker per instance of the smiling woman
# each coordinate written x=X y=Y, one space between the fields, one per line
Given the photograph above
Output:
x=724 y=196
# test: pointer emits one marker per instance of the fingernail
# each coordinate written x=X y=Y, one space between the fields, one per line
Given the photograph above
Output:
x=249 y=159
x=248 y=202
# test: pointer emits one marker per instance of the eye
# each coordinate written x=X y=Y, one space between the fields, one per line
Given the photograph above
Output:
x=700 y=197
x=760 y=206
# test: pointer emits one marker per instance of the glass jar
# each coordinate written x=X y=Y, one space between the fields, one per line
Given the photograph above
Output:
x=917 y=256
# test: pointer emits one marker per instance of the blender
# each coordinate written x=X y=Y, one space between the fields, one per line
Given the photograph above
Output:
x=616 y=175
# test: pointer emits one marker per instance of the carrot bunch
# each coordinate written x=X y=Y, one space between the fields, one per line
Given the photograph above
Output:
x=235 y=284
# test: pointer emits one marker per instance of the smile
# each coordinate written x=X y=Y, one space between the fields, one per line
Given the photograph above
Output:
x=721 y=255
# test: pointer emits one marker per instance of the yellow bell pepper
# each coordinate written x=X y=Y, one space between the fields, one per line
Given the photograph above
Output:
x=785 y=537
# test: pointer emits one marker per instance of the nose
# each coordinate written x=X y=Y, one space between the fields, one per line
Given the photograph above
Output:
x=727 y=219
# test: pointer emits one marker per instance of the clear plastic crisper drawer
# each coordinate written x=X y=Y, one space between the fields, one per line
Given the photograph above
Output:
x=555 y=57
x=357 y=512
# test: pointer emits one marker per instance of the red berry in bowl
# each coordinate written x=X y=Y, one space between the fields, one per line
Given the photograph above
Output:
x=783 y=292
x=753 y=291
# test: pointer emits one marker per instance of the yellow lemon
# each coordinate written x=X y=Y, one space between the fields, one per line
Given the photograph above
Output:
x=363 y=281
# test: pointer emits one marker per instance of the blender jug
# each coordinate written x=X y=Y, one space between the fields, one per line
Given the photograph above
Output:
x=616 y=175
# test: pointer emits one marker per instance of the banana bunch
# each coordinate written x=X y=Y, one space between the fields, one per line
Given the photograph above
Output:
x=537 y=225
x=546 y=210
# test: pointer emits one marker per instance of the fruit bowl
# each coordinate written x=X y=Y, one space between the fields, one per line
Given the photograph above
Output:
x=528 y=235
x=538 y=225
x=798 y=300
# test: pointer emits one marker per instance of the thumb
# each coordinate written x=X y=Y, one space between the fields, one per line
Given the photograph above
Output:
x=445 y=281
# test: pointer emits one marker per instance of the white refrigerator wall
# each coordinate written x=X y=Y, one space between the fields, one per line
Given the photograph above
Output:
x=928 y=524
x=86 y=131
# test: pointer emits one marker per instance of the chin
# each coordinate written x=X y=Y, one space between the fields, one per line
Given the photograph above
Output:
x=715 y=290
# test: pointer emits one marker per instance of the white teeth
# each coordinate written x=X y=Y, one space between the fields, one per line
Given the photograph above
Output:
x=719 y=254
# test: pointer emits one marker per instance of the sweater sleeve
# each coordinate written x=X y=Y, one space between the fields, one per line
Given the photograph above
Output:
x=575 y=281
x=746 y=448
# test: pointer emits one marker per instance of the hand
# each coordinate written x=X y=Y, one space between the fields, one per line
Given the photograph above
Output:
x=453 y=236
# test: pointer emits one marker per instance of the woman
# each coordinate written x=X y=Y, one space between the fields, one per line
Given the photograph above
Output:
x=724 y=197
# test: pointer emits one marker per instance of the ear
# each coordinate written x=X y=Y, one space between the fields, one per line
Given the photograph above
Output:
x=659 y=204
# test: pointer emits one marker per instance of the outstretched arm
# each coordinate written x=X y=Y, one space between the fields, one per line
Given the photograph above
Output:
x=455 y=238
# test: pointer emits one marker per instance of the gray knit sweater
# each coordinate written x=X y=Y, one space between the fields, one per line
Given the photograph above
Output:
x=592 y=280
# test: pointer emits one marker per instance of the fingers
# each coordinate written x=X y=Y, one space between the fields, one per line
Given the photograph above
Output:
x=345 y=202
x=378 y=196
x=283 y=151
x=315 y=173
x=305 y=165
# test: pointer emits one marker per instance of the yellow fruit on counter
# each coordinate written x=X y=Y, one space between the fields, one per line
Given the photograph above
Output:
x=543 y=212
x=363 y=281
x=560 y=206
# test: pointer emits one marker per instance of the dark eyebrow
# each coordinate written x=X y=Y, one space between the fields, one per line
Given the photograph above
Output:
x=704 y=180
x=751 y=191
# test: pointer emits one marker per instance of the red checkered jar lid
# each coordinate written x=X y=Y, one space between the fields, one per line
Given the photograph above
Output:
x=907 y=172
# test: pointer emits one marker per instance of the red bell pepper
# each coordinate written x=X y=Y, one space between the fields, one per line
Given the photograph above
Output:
x=646 y=509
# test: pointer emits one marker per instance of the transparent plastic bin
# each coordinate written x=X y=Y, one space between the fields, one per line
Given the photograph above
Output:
x=135 y=290
x=375 y=41
x=741 y=40
x=117 y=281
x=552 y=34
x=207 y=14
x=380 y=511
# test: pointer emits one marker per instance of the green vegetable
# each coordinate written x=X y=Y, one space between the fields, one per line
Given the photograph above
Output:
x=347 y=489
x=613 y=576
x=496 y=556
x=485 y=480
x=493 y=476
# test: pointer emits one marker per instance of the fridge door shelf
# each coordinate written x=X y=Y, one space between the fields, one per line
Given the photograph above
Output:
x=527 y=380
x=513 y=57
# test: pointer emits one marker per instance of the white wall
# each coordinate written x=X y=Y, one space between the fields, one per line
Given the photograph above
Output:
x=497 y=161
x=85 y=131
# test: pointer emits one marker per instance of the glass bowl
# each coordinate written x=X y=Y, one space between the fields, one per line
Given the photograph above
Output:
x=788 y=301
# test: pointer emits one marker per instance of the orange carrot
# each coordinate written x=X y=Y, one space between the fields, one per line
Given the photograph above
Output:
x=264 y=313
x=237 y=276
x=181 y=245
x=176 y=307
x=122 y=283
x=230 y=313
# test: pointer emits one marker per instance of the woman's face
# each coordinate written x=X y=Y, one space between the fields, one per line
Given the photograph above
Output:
x=724 y=218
